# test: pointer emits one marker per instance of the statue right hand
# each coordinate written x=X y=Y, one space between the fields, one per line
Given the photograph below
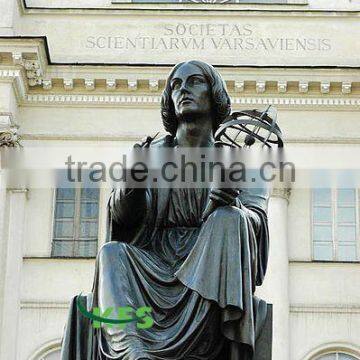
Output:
x=128 y=206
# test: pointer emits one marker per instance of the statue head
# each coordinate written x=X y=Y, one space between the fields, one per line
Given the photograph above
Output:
x=194 y=88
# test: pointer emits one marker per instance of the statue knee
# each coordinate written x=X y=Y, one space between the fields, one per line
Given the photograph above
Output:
x=228 y=216
x=228 y=212
x=111 y=249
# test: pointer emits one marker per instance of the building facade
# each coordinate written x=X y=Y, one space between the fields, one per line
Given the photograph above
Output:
x=90 y=73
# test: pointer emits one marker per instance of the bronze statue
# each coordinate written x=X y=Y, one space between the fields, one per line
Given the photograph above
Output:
x=198 y=275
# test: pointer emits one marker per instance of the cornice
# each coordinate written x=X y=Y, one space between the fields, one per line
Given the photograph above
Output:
x=325 y=308
x=136 y=136
x=294 y=308
x=292 y=8
x=25 y=62
x=31 y=304
x=149 y=100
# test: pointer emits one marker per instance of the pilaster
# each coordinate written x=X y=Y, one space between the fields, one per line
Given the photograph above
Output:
x=13 y=245
x=275 y=289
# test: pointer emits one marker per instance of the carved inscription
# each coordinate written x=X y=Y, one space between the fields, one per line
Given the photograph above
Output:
x=218 y=37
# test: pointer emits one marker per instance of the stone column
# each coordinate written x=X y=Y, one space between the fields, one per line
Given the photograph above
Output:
x=13 y=252
x=12 y=212
x=3 y=235
x=275 y=289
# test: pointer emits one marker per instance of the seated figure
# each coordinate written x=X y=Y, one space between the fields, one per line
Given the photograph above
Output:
x=198 y=276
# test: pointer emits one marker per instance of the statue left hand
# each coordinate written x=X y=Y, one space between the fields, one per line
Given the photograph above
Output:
x=224 y=197
x=220 y=197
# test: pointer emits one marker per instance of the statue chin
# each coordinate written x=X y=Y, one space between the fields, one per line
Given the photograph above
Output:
x=192 y=115
x=187 y=112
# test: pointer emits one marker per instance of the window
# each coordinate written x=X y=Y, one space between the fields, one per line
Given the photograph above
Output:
x=335 y=224
x=336 y=356
x=75 y=231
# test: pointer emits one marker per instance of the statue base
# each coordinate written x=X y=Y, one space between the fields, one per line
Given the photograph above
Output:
x=78 y=334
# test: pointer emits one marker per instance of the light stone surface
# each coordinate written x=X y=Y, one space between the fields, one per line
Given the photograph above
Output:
x=230 y=40
x=324 y=330
x=325 y=284
x=300 y=219
x=301 y=125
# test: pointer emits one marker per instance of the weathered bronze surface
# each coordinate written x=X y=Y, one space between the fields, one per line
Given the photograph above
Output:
x=198 y=276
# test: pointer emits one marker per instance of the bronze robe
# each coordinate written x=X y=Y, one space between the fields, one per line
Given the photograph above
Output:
x=198 y=277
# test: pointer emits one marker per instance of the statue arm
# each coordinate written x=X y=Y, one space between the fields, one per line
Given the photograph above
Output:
x=254 y=202
x=128 y=207
x=252 y=214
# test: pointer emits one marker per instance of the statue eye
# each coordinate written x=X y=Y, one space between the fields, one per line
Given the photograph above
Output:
x=175 y=85
x=197 y=80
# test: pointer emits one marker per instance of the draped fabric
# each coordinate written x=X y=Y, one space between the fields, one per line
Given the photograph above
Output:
x=198 y=277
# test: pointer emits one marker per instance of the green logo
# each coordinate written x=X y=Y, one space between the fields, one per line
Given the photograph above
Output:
x=125 y=315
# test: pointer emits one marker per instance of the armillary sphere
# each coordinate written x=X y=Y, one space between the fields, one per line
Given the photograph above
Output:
x=242 y=128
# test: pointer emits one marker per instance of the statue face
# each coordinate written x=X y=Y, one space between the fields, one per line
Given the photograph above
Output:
x=190 y=91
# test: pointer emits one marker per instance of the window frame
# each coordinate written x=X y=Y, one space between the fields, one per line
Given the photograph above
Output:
x=334 y=225
x=76 y=223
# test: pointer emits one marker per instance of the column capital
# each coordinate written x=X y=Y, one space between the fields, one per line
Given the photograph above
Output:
x=281 y=192
x=8 y=130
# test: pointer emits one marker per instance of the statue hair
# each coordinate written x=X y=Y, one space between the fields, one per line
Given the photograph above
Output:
x=220 y=97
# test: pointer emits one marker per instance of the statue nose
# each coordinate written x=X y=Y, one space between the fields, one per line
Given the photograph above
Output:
x=184 y=88
x=184 y=93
